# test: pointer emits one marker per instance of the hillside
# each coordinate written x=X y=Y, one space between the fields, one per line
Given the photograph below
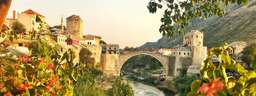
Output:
x=239 y=24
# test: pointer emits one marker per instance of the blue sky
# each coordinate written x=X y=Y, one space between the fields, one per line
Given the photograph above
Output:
x=124 y=22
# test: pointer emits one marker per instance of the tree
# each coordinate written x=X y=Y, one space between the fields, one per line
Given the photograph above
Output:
x=86 y=84
x=178 y=13
x=18 y=28
x=85 y=56
x=4 y=7
x=182 y=84
x=249 y=56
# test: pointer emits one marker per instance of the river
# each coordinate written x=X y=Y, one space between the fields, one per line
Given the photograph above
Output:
x=145 y=90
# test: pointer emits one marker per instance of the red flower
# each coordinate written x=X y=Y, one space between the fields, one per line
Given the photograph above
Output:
x=24 y=87
x=1 y=85
x=52 y=81
x=212 y=88
x=50 y=66
x=25 y=58
x=8 y=94
x=204 y=88
x=48 y=88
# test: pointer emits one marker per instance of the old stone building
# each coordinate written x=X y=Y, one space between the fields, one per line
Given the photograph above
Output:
x=194 y=40
x=192 y=51
x=74 y=26
x=29 y=19
x=93 y=44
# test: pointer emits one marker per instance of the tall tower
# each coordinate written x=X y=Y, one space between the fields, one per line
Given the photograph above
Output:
x=193 y=38
x=62 y=26
x=75 y=26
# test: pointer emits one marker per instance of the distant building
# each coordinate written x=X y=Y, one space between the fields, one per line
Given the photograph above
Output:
x=110 y=49
x=193 y=38
x=61 y=39
x=29 y=19
x=93 y=44
x=74 y=26
x=166 y=51
x=192 y=48
x=237 y=47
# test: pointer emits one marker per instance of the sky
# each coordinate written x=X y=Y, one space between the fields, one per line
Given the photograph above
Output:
x=123 y=22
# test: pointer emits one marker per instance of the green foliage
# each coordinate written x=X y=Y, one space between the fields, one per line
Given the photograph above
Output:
x=121 y=88
x=68 y=56
x=40 y=48
x=41 y=72
x=249 y=56
x=18 y=28
x=178 y=13
x=186 y=62
x=86 y=85
x=182 y=84
x=85 y=57
x=224 y=70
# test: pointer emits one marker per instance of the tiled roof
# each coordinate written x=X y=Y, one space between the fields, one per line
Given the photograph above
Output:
x=90 y=37
x=30 y=11
x=74 y=17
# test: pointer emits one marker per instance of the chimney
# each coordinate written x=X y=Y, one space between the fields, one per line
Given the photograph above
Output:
x=14 y=14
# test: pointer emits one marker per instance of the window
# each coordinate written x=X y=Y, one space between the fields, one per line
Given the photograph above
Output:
x=179 y=53
x=184 y=53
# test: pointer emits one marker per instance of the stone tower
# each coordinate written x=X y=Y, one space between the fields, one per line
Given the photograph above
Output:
x=194 y=40
x=74 y=26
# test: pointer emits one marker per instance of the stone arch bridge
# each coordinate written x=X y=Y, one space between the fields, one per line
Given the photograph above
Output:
x=164 y=60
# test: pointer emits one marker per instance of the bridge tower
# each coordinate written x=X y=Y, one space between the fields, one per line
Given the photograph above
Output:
x=110 y=59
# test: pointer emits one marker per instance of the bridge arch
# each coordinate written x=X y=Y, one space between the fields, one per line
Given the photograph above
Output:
x=164 y=60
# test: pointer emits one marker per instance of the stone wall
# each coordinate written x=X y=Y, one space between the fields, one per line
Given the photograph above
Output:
x=110 y=64
x=199 y=54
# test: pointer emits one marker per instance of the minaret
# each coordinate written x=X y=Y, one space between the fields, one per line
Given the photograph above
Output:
x=62 y=25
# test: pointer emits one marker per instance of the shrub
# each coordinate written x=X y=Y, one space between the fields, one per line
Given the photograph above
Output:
x=224 y=76
x=121 y=88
